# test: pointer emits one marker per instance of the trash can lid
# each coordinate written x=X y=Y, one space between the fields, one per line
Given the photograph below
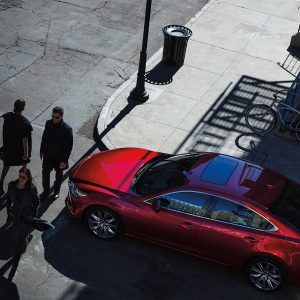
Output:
x=177 y=30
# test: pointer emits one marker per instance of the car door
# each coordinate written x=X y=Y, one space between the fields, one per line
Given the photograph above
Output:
x=177 y=221
x=229 y=232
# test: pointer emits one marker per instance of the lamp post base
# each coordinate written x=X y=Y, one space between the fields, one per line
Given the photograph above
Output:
x=139 y=95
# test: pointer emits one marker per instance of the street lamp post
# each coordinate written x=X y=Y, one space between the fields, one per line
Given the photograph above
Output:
x=139 y=93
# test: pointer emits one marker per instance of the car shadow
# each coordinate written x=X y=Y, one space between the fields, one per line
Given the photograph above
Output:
x=128 y=268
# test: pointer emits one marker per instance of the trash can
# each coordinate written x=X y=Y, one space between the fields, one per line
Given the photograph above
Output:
x=176 y=39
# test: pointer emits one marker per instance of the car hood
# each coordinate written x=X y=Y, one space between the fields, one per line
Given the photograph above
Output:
x=113 y=169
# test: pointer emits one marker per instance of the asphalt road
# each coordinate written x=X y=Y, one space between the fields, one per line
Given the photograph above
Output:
x=76 y=53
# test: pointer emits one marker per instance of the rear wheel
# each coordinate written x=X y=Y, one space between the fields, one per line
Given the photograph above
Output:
x=103 y=223
x=260 y=118
x=265 y=274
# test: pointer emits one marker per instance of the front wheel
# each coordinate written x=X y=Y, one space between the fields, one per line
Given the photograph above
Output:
x=265 y=274
x=103 y=223
x=260 y=118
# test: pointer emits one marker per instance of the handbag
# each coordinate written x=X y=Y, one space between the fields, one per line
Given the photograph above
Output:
x=39 y=224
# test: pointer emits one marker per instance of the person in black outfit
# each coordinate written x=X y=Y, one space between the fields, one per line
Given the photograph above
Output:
x=16 y=148
x=22 y=204
x=56 y=147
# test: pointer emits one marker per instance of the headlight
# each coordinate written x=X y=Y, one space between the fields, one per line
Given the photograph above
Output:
x=74 y=191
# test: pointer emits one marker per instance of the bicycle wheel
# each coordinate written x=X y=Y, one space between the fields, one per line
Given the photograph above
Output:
x=260 y=118
x=297 y=131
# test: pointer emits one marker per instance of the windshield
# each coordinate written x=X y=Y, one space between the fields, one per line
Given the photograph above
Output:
x=167 y=173
x=287 y=207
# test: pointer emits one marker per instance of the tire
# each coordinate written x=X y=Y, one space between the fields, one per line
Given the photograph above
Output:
x=260 y=118
x=265 y=274
x=103 y=223
x=297 y=131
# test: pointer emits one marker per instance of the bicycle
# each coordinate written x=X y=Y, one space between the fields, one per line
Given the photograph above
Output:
x=262 y=118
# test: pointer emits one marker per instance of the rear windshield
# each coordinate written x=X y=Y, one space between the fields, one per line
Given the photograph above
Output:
x=287 y=207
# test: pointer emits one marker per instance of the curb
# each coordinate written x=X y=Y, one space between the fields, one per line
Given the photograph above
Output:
x=101 y=121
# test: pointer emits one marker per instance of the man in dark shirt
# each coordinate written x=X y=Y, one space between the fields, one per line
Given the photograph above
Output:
x=56 y=147
x=16 y=140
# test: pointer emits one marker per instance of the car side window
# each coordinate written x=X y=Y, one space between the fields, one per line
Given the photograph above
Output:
x=235 y=213
x=193 y=203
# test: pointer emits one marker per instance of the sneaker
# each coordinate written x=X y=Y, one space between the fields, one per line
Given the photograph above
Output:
x=27 y=241
x=55 y=197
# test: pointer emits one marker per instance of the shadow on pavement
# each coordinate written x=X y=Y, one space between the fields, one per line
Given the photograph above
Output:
x=8 y=241
x=127 y=268
x=161 y=74
x=223 y=128
x=8 y=290
x=98 y=145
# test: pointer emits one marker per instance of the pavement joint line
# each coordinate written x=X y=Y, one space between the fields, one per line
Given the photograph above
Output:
x=270 y=14
x=104 y=113
x=38 y=125
x=234 y=51
x=243 y=7
x=144 y=118
x=32 y=97
x=15 y=75
x=76 y=5
x=256 y=33
x=215 y=46
x=207 y=71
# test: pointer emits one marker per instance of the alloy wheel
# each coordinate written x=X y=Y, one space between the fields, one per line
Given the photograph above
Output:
x=103 y=224
x=265 y=275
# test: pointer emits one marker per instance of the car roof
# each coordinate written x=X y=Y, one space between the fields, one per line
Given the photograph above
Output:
x=236 y=177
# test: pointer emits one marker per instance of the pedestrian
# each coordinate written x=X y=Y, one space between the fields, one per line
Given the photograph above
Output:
x=16 y=136
x=22 y=205
x=56 y=147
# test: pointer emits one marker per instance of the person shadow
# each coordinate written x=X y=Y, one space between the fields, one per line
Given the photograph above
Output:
x=8 y=290
x=8 y=234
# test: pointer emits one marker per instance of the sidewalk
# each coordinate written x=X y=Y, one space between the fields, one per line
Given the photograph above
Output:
x=231 y=62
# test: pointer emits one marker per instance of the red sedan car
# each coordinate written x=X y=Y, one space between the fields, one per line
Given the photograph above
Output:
x=214 y=206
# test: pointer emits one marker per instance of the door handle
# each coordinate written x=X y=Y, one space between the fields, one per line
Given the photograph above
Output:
x=251 y=239
x=188 y=225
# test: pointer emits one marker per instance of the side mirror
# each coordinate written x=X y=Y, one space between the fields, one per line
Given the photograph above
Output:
x=156 y=205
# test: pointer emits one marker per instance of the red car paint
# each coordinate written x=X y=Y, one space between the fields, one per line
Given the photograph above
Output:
x=106 y=178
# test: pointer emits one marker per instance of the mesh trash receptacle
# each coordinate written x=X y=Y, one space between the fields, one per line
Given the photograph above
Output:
x=175 y=41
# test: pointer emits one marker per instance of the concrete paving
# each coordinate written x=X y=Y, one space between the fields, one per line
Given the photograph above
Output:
x=74 y=54
x=230 y=63
x=62 y=53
